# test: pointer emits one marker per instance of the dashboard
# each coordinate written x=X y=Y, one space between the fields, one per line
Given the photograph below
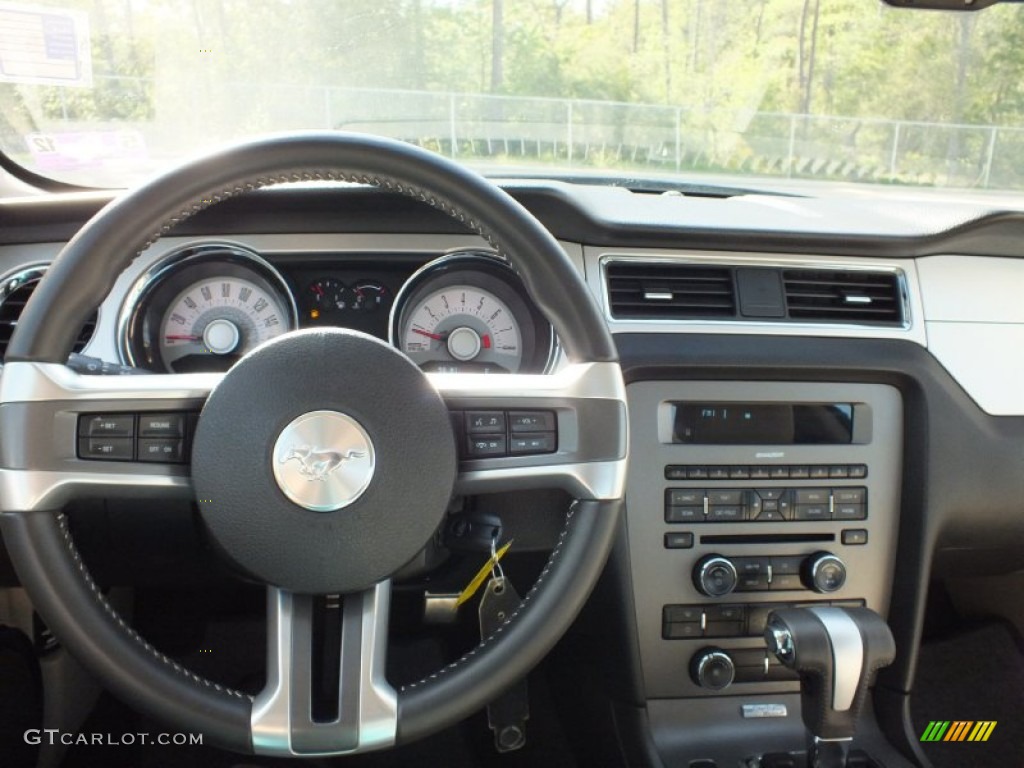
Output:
x=808 y=382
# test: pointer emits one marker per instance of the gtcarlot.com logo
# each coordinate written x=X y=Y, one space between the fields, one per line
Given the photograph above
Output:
x=958 y=730
x=54 y=736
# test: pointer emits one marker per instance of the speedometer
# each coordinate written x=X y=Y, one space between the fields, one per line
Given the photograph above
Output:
x=470 y=325
x=222 y=316
x=468 y=312
x=204 y=307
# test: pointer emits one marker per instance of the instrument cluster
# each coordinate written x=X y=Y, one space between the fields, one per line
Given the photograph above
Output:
x=203 y=307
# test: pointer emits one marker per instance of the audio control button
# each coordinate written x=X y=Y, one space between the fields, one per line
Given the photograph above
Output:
x=732 y=498
x=684 y=497
x=725 y=514
x=812 y=512
x=715 y=576
x=684 y=514
x=824 y=572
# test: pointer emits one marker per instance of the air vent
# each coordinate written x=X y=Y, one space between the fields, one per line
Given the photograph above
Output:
x=680 y=291
x=14 y=295
x=834 y=296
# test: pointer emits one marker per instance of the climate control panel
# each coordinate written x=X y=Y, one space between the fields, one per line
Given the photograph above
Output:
x=716 y=575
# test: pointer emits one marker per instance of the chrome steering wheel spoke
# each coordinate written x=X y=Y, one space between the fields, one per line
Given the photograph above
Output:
x=46 y=400
x=283 y=720
x=589 y=405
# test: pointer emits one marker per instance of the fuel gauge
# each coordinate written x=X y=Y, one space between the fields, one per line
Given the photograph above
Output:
x=328 y=295
x=370 y=296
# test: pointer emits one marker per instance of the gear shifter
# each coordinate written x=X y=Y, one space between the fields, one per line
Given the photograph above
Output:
x=836 y=651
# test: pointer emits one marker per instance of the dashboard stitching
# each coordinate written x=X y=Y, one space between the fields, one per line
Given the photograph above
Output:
x=62 y=519
x=511 y=617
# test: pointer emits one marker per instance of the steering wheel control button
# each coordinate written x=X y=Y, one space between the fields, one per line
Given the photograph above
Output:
x=527 y=444
x=532 y=421
x=315 y=478
x=161 y=450
x=491 y=434
x=323 y=460
x=108 y=448
x=161 y=425
x=106 y=425
x=487 y=445
x=485 y=422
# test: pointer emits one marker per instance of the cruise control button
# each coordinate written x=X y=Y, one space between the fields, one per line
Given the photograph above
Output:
x=531 y=421
x=161 y=425
x=483 y=422
x=487 y=446
x=106 y=425
x=161 y=449
x=109 y=448
x=543 y=443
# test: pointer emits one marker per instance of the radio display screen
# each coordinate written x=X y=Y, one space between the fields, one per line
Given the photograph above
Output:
x=763 y=423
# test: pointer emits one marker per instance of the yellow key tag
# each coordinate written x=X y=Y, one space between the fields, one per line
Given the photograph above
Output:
x=481 y=576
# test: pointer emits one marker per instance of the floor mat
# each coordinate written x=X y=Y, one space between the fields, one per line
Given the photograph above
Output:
x=974 y=675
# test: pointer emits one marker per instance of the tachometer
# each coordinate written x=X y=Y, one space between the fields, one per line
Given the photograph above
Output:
x=468 y=312
x=202 y=308
x=471 y=326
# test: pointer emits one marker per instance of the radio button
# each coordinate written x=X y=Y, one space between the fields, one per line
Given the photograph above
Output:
x=812 y=495
x=759 y=473
x=733 y=498
x=812 y=512
x=675 y=472
x=718 y=473
x=776 y=473
x=800 y=472
x=739 y=473
x=684 y=497
x=697 y=473
x=858 y=470
x=786 y=507
x=684 y=514
x=819 y=472
x=725 y=514
x=839 y=470
x=854 y=536
x=771 y=494
x=766 y=516
x=850 y=512
x=850 y=495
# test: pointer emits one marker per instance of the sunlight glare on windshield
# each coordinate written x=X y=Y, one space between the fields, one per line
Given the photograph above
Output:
x=106 y=92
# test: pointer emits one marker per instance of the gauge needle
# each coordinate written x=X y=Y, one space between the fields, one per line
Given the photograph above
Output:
x=428 y=334
x=182 y=337
x=486 y=339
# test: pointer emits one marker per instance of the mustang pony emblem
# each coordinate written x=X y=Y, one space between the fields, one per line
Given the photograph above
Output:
x=316 y=464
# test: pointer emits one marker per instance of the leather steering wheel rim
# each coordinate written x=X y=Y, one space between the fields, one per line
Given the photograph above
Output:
x=40 y=545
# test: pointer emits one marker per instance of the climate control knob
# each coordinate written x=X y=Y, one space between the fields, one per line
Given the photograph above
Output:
x=715 y=576
x=824 y=572
x=712 y=668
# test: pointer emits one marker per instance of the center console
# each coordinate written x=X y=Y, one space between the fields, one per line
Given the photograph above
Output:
x=744 y=498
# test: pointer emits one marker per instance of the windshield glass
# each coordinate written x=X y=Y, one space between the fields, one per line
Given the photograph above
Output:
x=105 y=92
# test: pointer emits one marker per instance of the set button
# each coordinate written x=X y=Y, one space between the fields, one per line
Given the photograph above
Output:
x=147 y=437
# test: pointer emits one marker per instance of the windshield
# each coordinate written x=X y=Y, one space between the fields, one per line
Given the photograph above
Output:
x=105 y=92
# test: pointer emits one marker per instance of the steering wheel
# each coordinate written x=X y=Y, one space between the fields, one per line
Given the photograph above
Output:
x=298 y=530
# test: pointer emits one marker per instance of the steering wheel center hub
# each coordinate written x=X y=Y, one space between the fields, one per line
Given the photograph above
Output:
x=323 y=460
x=314 y=422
